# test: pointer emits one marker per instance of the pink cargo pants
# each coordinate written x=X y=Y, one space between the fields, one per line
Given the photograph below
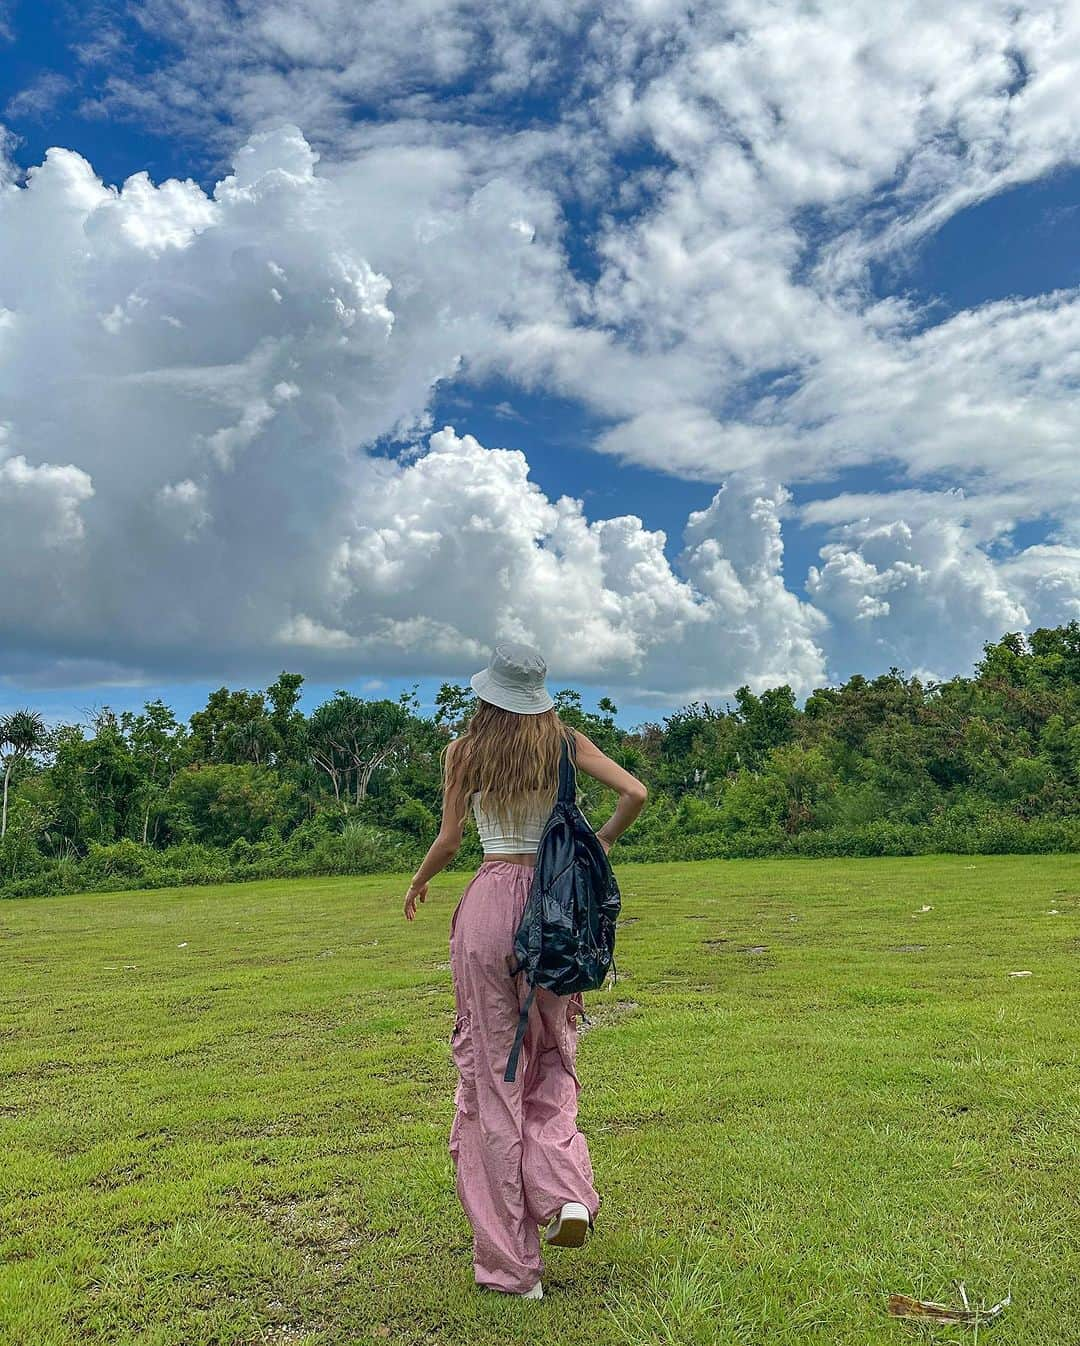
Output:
x=517 y=1152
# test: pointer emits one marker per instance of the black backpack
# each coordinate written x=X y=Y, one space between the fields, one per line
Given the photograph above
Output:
x=566 y=939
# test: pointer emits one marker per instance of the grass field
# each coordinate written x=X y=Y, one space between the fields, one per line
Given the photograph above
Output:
x=225 y=1111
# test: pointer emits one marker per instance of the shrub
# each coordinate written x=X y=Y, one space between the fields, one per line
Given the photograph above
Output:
x=124 y=859
x=360 y=848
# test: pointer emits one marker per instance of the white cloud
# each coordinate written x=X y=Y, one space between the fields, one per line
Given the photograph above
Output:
x=236 y=515
x=733 y=553
x=219 y=364
x=38 y=98
x=225 y=448
x=1048 y=577
x=923 y=597
x=40 y=506
x=302 y=632
x=462 y=532
x=182 y=505
x=986 y=516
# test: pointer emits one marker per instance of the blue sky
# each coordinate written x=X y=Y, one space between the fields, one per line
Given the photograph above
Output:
x=652 y=258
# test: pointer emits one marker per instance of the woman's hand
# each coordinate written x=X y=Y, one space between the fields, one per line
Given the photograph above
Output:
x=413 y=896
x=604 y=842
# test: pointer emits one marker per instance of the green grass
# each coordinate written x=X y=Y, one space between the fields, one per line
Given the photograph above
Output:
x=225 y=1110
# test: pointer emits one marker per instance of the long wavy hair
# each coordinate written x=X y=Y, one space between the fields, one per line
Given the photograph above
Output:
x=512 y=759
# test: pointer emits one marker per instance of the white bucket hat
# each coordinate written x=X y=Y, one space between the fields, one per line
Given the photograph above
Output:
x=514 y=679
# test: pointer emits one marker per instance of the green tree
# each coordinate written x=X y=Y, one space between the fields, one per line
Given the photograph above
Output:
x=217 y=804
x=233 y=727
x=766 y=721
x=453 y=705
x=288 y=722
x=158 y=746
x=22 y=735
x=351 y=739
x=96 y=782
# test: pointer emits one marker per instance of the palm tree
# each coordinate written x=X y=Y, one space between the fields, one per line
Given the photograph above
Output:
x=22 y=733
x=251 y=740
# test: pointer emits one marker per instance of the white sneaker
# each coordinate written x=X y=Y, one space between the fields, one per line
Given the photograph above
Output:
x=537 y=1292
x=569 y=1227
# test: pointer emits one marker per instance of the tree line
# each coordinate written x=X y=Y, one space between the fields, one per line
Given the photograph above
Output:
x=252 y=786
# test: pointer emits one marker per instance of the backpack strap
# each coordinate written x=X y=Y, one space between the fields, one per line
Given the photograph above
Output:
x=567 y=772
x=567 y=780
x=519 y=1036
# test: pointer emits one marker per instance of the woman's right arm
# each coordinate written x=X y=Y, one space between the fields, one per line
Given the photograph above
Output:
x=632 y=793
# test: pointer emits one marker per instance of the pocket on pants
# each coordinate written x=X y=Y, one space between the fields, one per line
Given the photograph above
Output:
x=568 y=1038
x=454 y=917
x=463 y=1054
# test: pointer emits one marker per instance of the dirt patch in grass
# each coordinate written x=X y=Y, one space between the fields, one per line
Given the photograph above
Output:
x=325 y=1239
x=284 y=1336
x=117 y=1177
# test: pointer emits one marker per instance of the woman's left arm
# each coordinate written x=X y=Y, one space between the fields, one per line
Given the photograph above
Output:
x=446 y=845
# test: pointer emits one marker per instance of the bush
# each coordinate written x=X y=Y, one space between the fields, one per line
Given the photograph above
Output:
x=125 y=859
x=19 y=853
x=414 y=816
x=330 y=846
x=360 y=848
x=216 y=804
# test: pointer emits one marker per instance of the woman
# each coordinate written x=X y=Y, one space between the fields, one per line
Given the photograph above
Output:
x=520 y=1161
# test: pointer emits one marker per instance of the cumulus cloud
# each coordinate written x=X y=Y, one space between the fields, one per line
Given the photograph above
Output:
x=922 y=598
x=189 y=381
x=39 y=506
x=463 y=530
x=734 y=553
x=227 y=363
x=231 y=357
x=1048 y=578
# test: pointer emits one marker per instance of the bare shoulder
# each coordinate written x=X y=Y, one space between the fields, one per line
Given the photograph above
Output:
x=586 y=753
x=583 y=741
x=451 y=768
x=595 y=762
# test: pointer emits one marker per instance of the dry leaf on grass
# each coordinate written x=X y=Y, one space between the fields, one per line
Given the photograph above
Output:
x=903 y=1306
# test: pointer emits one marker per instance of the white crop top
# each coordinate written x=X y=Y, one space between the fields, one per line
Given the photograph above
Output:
x=496 y=841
